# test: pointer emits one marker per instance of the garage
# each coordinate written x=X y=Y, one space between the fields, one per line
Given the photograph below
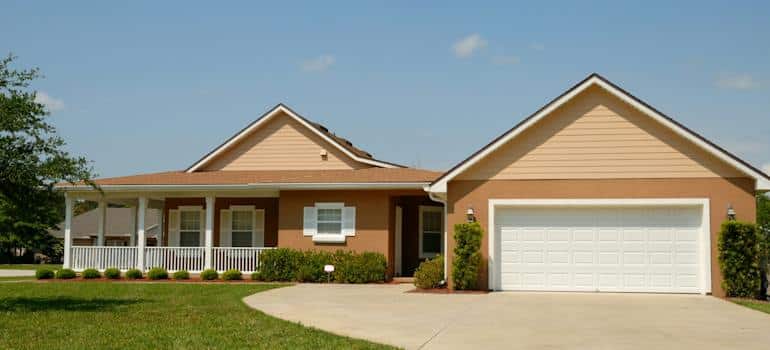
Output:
x=600 y=245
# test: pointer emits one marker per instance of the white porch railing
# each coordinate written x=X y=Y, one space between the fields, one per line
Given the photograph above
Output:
x=245 y=260
x=192 y=259
x=100 y=258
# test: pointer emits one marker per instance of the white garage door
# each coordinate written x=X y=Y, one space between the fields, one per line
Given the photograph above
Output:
x=613 y=249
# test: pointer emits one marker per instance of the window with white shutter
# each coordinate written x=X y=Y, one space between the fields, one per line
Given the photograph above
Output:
x=329 y=222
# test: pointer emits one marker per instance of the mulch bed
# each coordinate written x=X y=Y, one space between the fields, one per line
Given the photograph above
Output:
x=446 y=291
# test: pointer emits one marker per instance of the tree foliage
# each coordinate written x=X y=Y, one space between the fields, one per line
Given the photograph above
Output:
x=763 y=228
x=739 y=256
x=32 y=161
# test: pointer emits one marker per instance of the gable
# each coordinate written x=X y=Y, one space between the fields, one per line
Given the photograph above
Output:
x=282 y=143
x=596 y=135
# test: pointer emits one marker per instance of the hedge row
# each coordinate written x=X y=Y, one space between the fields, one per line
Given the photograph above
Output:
x=285 y=264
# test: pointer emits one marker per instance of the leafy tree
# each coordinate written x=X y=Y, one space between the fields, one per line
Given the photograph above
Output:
x=763 y=226
x=32 y=161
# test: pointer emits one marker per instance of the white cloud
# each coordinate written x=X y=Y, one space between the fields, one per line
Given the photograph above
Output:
x=737 y=82
x=766 y=168
x=465 y=47
x=537 y=46
x=505 y=60
x=51 y=103
x=318 y=64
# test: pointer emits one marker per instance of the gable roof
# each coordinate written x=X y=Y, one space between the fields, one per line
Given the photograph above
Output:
x=762 y=179
x=340 y=143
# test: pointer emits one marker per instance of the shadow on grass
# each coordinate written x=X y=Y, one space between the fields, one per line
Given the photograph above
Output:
x=29 y=304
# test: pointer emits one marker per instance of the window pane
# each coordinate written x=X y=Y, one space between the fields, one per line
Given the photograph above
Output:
x=431 y=242
x=189 y=239
x=241 y=239
x=242 y=221
x=330 y=227
x=190 y=220
x=329 y=214
x=431 y=221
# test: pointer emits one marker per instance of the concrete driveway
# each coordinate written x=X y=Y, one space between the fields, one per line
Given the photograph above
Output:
x=385 y=314
x=16 y=273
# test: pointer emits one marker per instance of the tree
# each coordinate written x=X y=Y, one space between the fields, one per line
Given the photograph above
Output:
x=763 y=226
x=32 y=161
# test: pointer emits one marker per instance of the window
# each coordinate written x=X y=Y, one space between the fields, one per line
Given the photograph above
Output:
x=330 y=221
x=242 y=228
x=431 y=231
x=189 y=228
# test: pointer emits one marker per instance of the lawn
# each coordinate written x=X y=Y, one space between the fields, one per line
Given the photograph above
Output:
x=15 y=278
x=98 y=315
x=28 y=266
x=754 y=304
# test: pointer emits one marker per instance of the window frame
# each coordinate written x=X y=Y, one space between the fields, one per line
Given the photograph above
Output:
x=201 y=218
x=332 y=206
x=244 y=209
x=421 y=229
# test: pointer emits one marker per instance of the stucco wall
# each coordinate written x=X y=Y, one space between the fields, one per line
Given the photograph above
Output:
x=738 y=192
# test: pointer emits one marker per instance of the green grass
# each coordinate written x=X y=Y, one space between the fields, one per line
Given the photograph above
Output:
x=101 y=315
x=28 y=266
x=16 y=278
x=754 y=304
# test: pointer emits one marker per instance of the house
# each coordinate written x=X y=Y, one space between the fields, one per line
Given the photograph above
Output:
x=596 y=191
x=118 y=230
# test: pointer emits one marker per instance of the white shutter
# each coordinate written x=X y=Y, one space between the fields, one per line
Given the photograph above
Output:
x=173 y=228
x=225 y=228
x=349 y=221
x=258 y=239
x=310 y=218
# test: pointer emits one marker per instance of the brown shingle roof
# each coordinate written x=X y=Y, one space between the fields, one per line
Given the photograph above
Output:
x=368 y=175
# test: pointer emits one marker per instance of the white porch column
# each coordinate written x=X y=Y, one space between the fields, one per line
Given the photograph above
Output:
x=141 y=241
x=101 y=222
x=209 y=238
x=67 y=231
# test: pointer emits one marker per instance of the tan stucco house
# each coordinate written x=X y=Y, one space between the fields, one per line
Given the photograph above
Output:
x=596 y=191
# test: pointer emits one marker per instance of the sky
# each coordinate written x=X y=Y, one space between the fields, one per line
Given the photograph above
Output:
x=140 y=87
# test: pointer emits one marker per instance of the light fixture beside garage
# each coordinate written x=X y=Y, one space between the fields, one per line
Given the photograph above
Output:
x=470 y=215
x=730 y=212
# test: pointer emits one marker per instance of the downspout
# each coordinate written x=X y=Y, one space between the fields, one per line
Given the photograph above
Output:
x=434 y=197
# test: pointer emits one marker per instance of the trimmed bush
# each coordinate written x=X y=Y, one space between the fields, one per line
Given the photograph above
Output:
x=90 y=274
x=232 y=275
x=739 y=257
x=279 y=264
x=430 y=274
x=256 y=276
x=157 y=273
x=182 y=275
x=134 y=274
x=286 y=264
x=209 y=275
x=65 y=274
x=44 y=273
x=112 y=273
x=467 y=259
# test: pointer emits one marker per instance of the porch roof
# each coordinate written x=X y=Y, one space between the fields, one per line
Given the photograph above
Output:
x=253 y=177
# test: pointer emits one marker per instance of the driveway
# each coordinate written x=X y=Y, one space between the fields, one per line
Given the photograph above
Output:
x=385 y=314
x=16 y=273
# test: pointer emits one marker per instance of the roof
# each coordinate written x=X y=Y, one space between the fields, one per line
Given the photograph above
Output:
x=273 y=178
x=341 y=143
x=118 y=223
x=762 y=179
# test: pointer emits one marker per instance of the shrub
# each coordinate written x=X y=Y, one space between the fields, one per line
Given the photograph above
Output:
x=739 y=256
x=157 y=273
x=256 y=276
x=65 y=274
x=134 y=274
x=232 y=275
x=209 y=275
x=467 y=257
x=279 y=264
x=91 y=274
x=182 y=275
x=112 y=273
x=44 y=273
x=366 y=267
x=430 y=274
x=311 y=266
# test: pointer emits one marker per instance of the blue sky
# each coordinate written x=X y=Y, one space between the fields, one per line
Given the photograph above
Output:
x=150 y=86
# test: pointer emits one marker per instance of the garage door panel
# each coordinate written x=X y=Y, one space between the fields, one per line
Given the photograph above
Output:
x=599 y=248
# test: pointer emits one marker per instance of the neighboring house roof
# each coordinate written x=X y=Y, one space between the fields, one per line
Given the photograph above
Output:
x=119 y=223
x=275 y=178
x=342 y=144
x=762 y=179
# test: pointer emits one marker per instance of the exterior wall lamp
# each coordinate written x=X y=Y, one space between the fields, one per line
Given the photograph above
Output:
x=470 y=215
x=730 y=212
